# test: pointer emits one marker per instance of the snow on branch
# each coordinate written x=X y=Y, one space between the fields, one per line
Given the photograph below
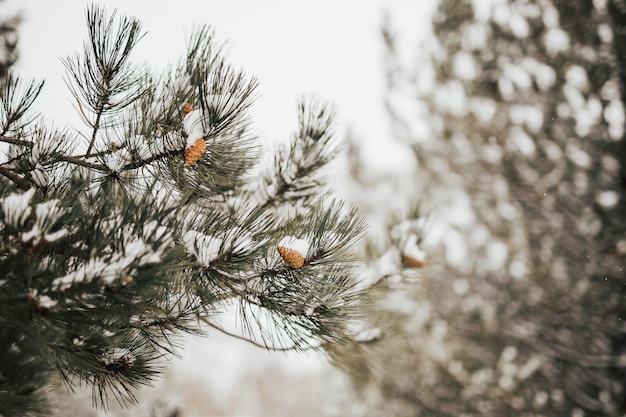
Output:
x=16 y=208
x=294 y=175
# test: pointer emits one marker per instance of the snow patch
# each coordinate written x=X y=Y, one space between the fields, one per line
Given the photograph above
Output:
x=47 y=214
x=205 y=248
x=484 y=109
x=614 y=116
x=40 y=176
x=239 y=240
x=115 y=161
x=154 y=231
x=607 y=199
x=116 y=267
x=556 y=41
x=577 y=76
x=464 y=66
x=192 y=124
x=46 y=302
x=522 y=141
x=518 y=75
x=138 y=147
x=527 y=115
x=368 y=335
x=544 y=74
x=411 y=249
x=578 y=156
x=460 y=286
x=292 y=243
x=519 y=25
x=385 y=266
x=529 y=368
x=16 y=208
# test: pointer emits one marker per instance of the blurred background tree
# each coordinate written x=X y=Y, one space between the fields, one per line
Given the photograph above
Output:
x=8 y=41
x=515 y=114
x=160 y=217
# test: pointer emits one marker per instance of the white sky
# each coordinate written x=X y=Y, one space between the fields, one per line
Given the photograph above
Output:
x=331 y=48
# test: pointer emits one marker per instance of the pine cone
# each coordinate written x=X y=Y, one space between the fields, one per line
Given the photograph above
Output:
x=187 y=108
x=194 y=152
x=412 y=262
x=291 y=257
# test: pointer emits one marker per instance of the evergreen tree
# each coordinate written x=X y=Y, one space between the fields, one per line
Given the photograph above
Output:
x=156 y=218
x=515 y=114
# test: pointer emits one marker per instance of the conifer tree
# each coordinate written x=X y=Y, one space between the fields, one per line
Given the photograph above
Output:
x=157 y=217
x=515 y=114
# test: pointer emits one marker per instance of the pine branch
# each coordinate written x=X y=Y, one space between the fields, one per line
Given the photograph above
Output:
x=16 y=100
x=102 y=80
x=293 y=176
x=19 y=181
x=15 y=141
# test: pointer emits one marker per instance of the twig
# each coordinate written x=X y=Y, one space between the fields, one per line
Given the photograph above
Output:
x=99 y=112
x=77 y=160
x=147 y=161
x=19 y=181
x=13 y=141
x=255 y=343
